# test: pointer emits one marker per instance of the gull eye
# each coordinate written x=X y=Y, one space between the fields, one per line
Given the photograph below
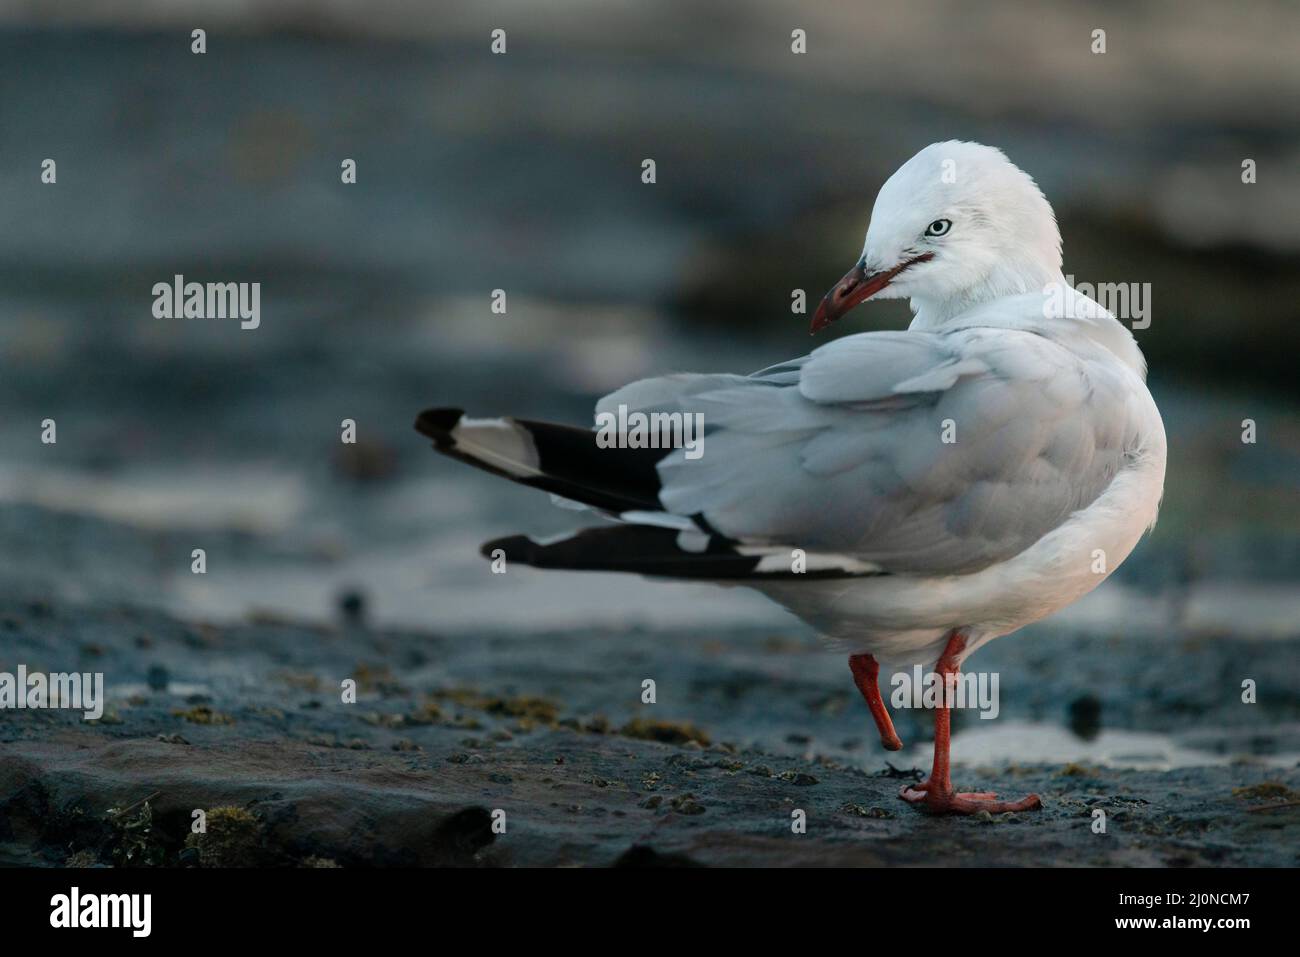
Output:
x=939 y=227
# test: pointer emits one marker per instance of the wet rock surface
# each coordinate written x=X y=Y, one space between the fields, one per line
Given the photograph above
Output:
x=548 y=734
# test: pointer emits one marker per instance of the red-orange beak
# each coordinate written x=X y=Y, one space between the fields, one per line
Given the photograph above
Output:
x=855 y=288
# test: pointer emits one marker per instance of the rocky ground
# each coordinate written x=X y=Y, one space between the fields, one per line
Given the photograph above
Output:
x=548 y=733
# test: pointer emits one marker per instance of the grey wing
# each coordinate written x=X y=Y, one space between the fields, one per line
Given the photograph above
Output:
x=918 y=452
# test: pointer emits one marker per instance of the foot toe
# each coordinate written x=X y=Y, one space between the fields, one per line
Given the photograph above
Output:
x=966 y=802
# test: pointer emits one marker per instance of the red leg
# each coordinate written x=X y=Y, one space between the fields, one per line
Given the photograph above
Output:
x=935 y=794
x=866 y=672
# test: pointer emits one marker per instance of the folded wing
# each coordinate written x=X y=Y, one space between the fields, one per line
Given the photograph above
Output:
x=909 y=451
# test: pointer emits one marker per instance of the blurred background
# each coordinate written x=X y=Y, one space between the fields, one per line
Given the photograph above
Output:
x=522 y=172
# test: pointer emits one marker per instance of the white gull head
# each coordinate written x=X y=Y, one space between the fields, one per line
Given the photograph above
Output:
x=957 y=225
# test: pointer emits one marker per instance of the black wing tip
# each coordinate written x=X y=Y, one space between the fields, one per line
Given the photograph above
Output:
x=517 y=548
x=438 y=423
x=647 y=550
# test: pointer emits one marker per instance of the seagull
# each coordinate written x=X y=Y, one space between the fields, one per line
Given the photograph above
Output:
x=911 y=495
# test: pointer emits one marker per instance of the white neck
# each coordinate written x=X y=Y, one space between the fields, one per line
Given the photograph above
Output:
x=1060 y=313
x=1005 y=280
